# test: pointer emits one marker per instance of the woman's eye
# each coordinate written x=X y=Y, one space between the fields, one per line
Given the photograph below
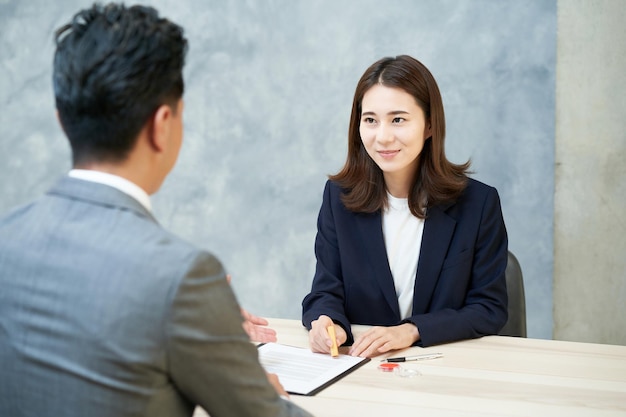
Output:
x=368 y=120
x=398 y=119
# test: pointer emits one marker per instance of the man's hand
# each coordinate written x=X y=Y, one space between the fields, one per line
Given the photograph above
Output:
x=257 y=329
x=255 y=326
x=273 y=378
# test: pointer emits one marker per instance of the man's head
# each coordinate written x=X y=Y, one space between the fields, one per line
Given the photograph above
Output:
x=113 y=68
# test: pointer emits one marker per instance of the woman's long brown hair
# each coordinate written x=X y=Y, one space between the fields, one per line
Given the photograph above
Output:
x=437 y=180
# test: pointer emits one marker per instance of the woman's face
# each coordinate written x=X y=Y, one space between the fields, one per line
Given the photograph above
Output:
x=393 y=130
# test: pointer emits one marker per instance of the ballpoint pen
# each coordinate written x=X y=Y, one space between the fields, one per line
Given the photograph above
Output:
x=414 y=358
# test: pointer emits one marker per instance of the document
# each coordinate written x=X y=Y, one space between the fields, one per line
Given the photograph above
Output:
x=303 y=372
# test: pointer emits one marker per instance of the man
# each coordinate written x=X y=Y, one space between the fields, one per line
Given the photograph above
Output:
x=102 y=312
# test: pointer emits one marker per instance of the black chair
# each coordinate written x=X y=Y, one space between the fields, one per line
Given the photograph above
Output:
x=516 y=324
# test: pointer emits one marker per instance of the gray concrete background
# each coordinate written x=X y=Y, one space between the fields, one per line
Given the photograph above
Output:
x=590 y=198
x=269 y=90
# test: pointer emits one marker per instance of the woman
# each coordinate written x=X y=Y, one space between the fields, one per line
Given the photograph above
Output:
x=406 y=241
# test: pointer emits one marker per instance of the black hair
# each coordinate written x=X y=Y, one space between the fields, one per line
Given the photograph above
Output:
x=113 y=67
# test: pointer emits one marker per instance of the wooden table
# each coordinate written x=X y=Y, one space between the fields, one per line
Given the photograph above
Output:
x=492 y=376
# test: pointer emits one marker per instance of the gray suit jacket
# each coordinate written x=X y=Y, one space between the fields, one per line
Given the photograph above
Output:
x=104 y=313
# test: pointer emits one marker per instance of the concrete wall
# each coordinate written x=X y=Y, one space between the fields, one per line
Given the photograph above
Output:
x=270 y=85
x=590 y=197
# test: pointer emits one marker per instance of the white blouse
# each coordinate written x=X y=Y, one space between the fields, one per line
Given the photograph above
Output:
x=403 y=240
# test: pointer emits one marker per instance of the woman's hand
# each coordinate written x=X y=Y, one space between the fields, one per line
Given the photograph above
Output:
x=379 y=340
x=319 y=339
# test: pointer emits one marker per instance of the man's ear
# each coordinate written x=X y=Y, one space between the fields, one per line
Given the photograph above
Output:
x=160 y=127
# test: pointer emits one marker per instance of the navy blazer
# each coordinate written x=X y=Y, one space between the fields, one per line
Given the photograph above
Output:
x=460 y=287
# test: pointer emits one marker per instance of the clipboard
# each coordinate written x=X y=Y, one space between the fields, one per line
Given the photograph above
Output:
x=302 y=372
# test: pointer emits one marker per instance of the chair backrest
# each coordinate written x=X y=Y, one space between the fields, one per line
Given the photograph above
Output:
x=516 y=324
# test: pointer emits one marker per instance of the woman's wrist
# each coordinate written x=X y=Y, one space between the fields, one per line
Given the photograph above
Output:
x=412 y=331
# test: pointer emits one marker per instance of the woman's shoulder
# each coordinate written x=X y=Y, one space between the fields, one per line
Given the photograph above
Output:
x=333 y=188
x=333 y=197
x=478 y=188
x=477 y=192
x=474 y=200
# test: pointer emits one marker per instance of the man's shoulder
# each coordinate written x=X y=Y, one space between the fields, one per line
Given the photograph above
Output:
x=14 y=213
x=166 y=244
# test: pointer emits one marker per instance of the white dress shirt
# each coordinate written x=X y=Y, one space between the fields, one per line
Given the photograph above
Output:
x=114 y=181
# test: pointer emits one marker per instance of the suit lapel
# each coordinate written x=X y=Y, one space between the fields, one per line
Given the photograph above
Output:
x=438 y=230
x=371 y=230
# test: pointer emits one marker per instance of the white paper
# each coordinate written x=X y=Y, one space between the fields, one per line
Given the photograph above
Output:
x=301 y=371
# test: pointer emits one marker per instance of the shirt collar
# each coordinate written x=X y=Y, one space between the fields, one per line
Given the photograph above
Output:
x=114 y=181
